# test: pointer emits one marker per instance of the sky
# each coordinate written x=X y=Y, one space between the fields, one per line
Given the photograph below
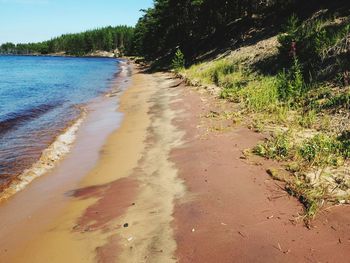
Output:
x=23 y=21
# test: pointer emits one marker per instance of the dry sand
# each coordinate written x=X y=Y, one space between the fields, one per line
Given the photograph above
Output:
x=169 y=186
x=133 y=184
x=233 y=211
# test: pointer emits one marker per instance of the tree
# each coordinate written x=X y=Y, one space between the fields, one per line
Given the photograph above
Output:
x=178 y=62
x=105 y=39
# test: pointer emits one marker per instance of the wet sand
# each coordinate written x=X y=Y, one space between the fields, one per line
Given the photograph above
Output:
x=170 y=186
x=126 y=201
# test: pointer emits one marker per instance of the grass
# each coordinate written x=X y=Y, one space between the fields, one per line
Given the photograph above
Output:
x=339 y=101
x=279 y=147
x=256 y=93
x=313 y=198
x=293 y=100
x=307 y=119
x=320 y=150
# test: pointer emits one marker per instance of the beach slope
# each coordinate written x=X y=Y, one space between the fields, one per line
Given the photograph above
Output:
x=172 y=185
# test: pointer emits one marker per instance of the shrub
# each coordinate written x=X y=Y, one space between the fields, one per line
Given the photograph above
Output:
x=321 y=150
x=279 y=147
x=339 y=101
x=308 y=119
x=178 y=62
x=344 y=140
x=290 y=84
x=309 y=42
x=310 y=39
x=231 y=94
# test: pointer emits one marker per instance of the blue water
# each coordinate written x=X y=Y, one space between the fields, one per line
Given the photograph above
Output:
x=39 y=96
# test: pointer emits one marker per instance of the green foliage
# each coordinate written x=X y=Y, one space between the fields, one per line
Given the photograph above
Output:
x=279 y=147
x=339 y=101
x=178 y=62
x=344 y=140
x=260 y=95
x=104 y=39
x=312 y=197
x=290 y=84
x=311 y=40
x=192 y=24
x=7 y=48
x=321 y=150
x=307 y=119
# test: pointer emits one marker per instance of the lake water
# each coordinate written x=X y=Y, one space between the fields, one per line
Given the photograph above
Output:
x=40 y=98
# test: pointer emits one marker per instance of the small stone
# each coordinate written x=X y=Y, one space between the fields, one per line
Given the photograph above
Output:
x=126 y=225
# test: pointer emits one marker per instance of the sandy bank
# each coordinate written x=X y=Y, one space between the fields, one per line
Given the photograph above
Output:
x=170 y=185
x=126 y=201
x=233 y=210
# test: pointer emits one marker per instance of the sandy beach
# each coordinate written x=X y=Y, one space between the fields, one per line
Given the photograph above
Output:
x=170 y=185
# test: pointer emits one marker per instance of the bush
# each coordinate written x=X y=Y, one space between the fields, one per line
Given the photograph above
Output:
x=339 y=101
x=321 y=150
x=178 y=62
x=308 y=119
x=279 y=147
x=310 y=39
x=308 y=42
x=290 y=84
x=344 y=140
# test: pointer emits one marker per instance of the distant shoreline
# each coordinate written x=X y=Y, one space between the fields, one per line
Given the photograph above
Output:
x=89 y=55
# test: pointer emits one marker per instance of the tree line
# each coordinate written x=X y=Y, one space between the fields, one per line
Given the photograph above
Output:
x=196 y=26
x=193 y=26
x=104 y=39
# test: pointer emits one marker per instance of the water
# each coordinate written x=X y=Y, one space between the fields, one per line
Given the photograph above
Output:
x=39 y=98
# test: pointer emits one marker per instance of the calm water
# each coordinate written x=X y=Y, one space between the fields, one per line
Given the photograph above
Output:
x=39 y=97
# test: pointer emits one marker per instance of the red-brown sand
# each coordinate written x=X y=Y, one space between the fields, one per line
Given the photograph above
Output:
x=171 y=185
x=234 y=212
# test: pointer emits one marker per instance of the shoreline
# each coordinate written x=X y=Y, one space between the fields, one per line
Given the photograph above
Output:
x=30 y=211
x=49 y=159
x=64 y=220
x=62 y=143
x=170 y=185
x=63 y=56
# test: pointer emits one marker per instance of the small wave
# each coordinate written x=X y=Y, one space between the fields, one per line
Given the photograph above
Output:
x=48 y=160
x=14 y=119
